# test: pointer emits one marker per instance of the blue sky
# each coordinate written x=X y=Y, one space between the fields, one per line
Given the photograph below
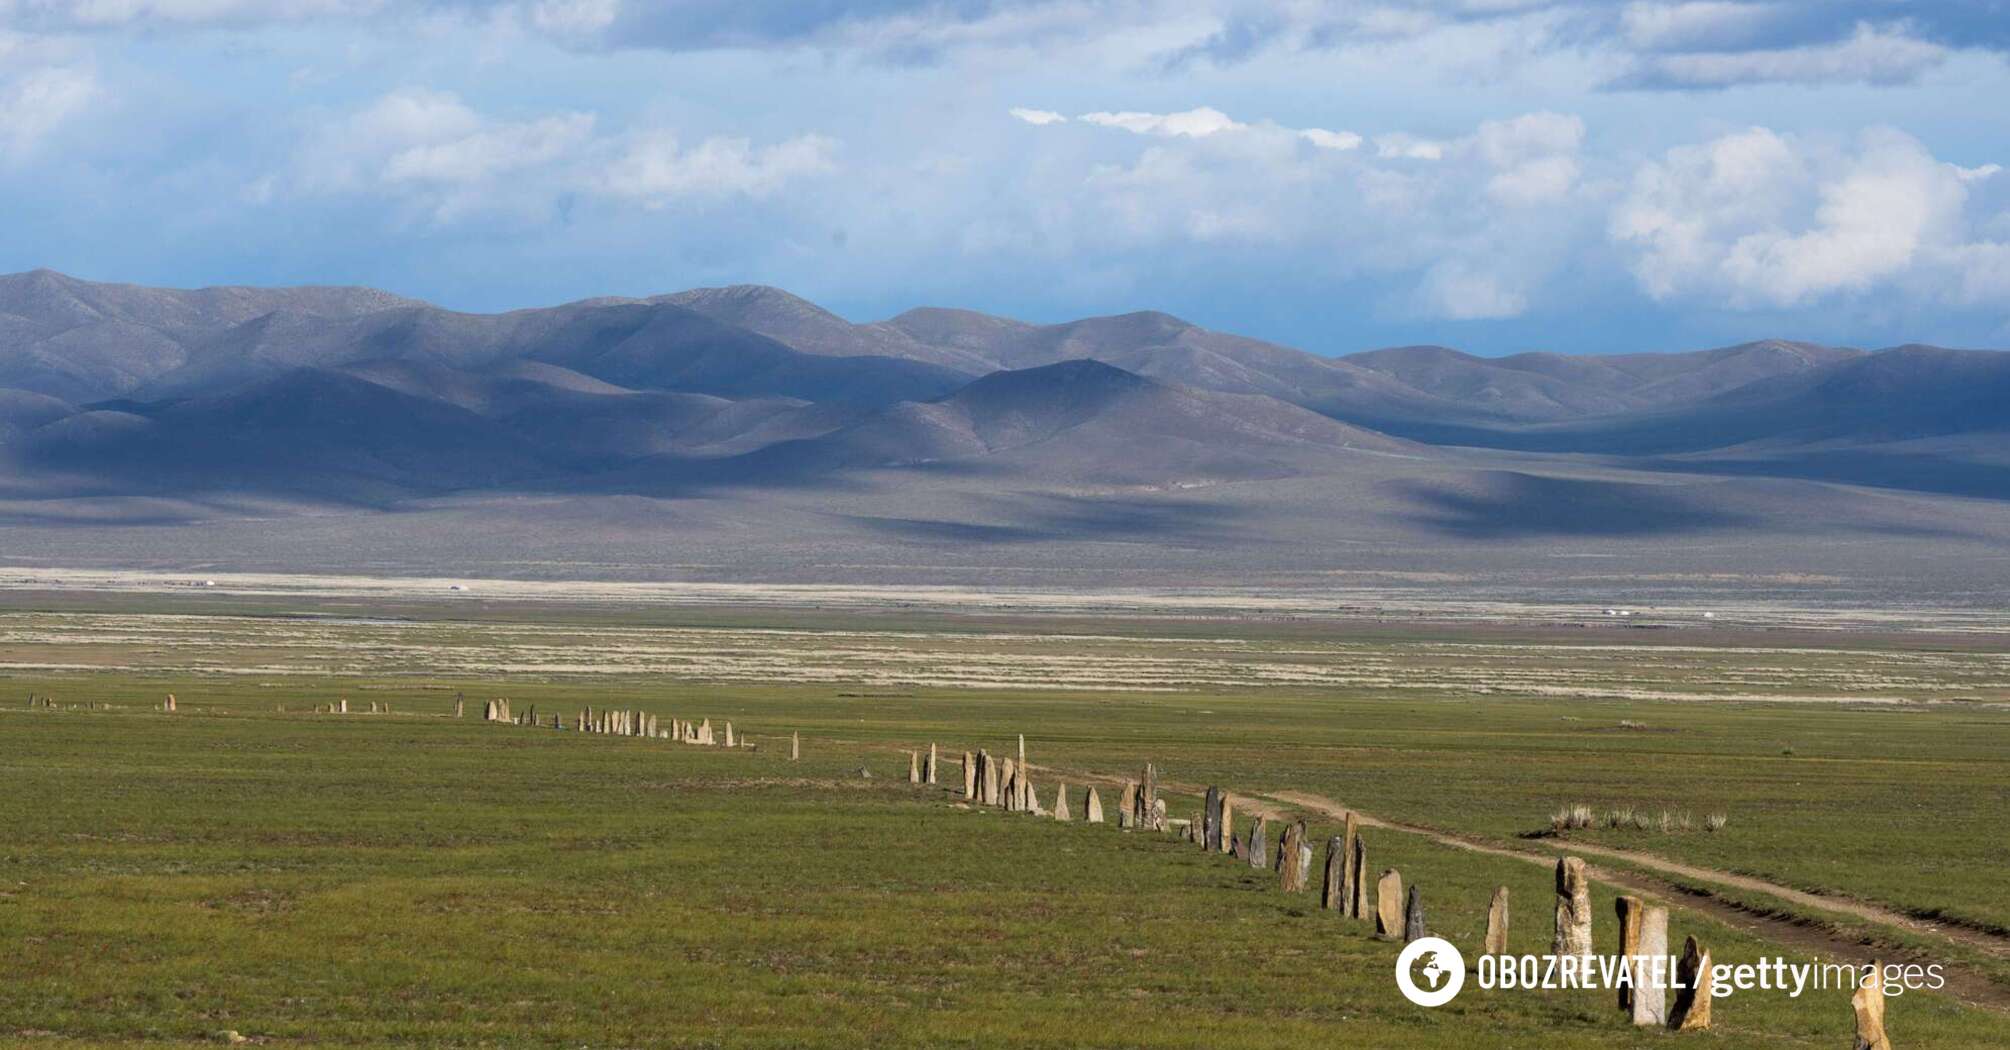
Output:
x=1497 y=175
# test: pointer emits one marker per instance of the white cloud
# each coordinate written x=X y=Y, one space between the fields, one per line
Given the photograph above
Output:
x=653 y=169
x=1873 y=54
x=491 y=150
x=1403 y=146
x=434 y=149
x=38 y=102
x=1334 y=140
x=1455 y=290
x=1038 y=117
x=1194 y=123
x=1762 y=219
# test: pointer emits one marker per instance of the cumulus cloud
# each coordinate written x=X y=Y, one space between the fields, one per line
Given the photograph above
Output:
x=459 y=161
x=1335 y=140
x=1765 y=219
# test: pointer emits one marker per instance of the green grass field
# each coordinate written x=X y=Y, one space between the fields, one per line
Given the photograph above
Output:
x=414 y=879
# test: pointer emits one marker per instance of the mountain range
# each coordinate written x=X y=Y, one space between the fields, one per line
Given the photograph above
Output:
x=123 y=405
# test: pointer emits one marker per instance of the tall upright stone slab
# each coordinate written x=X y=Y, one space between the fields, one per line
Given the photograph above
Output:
x=1573 y=908
x=1414 y=928
x=1629 y=909
x=1497 y=923
x=1257 y=852
x=1331 y=888
x=1014 y=792
x=1290 y=874
x=1148 y=813
x=1127 y=806
x=795 y=746
x=1061 y=812
x=1650 y=970
x=932 y=770
x=1092 y=807
x=1361 y=907
x=1868 y=1003
x=729 y=735
x=914 y=767
x=1227 y=823
x=1693 y=989
x=1210 y=820
x=1389 y=905
x=969 y=777
x=1350 y=873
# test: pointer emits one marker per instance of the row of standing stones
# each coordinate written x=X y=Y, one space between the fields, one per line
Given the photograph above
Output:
x=1399 y=916
x=1643 y=928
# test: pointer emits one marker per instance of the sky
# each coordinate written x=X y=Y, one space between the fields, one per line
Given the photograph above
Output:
x=1494 y=175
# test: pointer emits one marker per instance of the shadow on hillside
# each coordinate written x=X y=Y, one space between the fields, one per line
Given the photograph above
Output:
x=1906 y=472
x=1064 y=518
x=1507 y=505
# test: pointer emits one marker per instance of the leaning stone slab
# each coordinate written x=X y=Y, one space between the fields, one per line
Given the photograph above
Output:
x=1389 y=905
x=1497 y=923
x=1693 y=990
x=1573 y=908
x=1650 y=970
x=1257 y=853
x=1868 y=1002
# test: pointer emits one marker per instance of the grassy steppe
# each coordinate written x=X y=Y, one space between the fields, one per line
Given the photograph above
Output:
x=364 y=880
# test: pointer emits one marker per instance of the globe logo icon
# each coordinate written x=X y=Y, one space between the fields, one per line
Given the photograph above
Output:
x=1440 y=965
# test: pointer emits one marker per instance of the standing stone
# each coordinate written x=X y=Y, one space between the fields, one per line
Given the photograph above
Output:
x=1413 y=917
x=1061 y=805
x=1258 y=854
x=1227 y=823
x=929 y=771
x=1029 y=798
x=460 y=706
x=1692 y=989
x=342 y=707
x=1009 y=781
x=1148 y=813
x=914 y=767
x=1573 y=908
x=1330 y=896
x=1350 y=891
x=1650 y=991
x=1629 y=909
x=1092 y=808
x=1291 y=874
x=1389 y=906
x=1210 y=820
x=1127 y=806
x=1497 y=923
x=795 y=746
x=1359 y=908
x=1868 y=1002
x=1158 y=822
x=989 y=766
x=729 y=735
x=1025 y=789
x=969 y=777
